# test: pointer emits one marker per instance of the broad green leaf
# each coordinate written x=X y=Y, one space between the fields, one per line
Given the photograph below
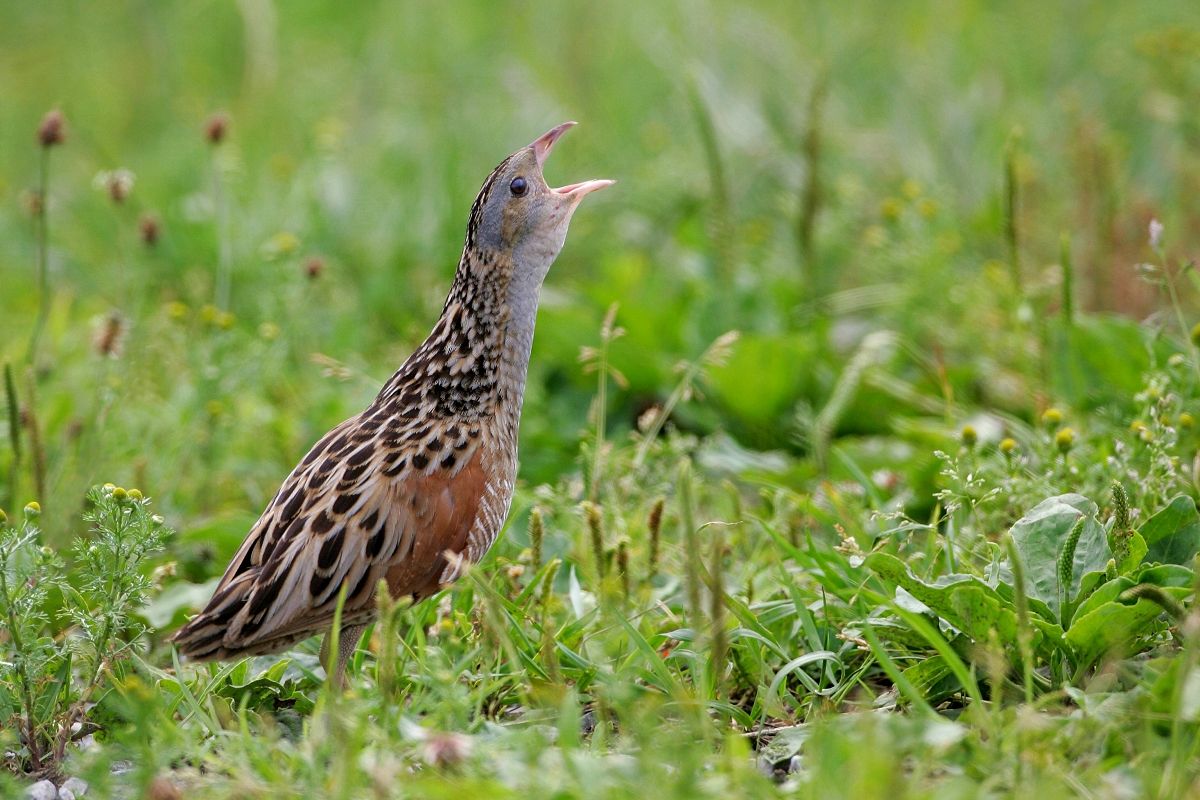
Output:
x=750 y=383
x=1040 y=536
x=1104 y=624
x=1173 y=534
x=1109 y=627
x=1135 y=555
x=785 y=743
x=933 y=678
x=1099 y=358
x=964 y=601
x=1166 y=575
x=176 y=599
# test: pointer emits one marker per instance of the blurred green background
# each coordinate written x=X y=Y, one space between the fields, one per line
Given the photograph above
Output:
x=803 y=173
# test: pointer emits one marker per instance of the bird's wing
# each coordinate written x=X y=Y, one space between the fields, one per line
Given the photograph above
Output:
x=367 y=502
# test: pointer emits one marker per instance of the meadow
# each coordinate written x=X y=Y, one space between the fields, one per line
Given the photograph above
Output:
x=859 y=455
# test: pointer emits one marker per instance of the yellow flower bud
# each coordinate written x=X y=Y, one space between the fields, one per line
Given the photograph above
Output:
x=1064 y=440
x=1052 y=418
x=119 y=494
x=33 y=509
x=969 y=436
x=1008 y=445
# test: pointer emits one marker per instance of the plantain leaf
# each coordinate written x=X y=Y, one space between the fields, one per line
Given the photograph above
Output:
x=1104 y=624
x=1172 y=535
x=1040 y=536
x=964 y=601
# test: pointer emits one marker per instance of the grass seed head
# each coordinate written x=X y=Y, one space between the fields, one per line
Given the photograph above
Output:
x=1066 y=559
x=623 y=566
x=595 y=525
x=654 y=524
x=109 y=339
x=149 y=229
x=117 y=184
x=537 y=532
x=53 y=129
x=216 y=128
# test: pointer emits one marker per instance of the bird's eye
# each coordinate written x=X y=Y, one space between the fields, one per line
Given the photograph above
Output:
x=518 y=186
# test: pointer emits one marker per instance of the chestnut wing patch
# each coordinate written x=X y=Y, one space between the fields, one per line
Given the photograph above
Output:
x=287 y=579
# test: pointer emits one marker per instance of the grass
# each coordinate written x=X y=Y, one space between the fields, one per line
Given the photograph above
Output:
x=858 y=451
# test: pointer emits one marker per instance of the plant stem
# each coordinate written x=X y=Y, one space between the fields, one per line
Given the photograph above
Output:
x=811 y=194
x=221 y=228
x=42 y=235
x=1012 y=230
x=687 y=520
x=1068 y=279
x=37 y=451
x=14 y=434
x=721 y=222
x=14 y=632
x=718 y=644
x=1178 y=308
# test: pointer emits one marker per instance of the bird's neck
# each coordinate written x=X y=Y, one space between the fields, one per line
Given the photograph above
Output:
x=503 y=307
x=475 y=361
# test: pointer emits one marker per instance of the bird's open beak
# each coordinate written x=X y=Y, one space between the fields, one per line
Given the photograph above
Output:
x=541 y=151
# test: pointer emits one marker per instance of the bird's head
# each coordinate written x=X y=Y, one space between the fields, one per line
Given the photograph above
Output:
x=518 y=215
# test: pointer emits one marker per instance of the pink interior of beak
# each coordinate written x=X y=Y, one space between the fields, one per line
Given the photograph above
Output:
x=541 y=151
x=545 y=143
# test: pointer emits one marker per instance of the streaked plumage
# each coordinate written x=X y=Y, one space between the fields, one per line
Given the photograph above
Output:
x=421 y=480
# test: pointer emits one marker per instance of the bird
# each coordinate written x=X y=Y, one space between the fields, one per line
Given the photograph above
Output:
x=416 y=486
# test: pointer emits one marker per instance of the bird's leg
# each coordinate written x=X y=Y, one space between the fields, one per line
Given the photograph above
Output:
x=347 y=643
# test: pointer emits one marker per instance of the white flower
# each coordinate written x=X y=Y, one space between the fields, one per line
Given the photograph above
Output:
x=1156 y=232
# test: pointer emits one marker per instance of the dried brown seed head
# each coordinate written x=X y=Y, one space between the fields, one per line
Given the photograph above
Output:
x=53 y=129
x=149 y=229
x=216 y=128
